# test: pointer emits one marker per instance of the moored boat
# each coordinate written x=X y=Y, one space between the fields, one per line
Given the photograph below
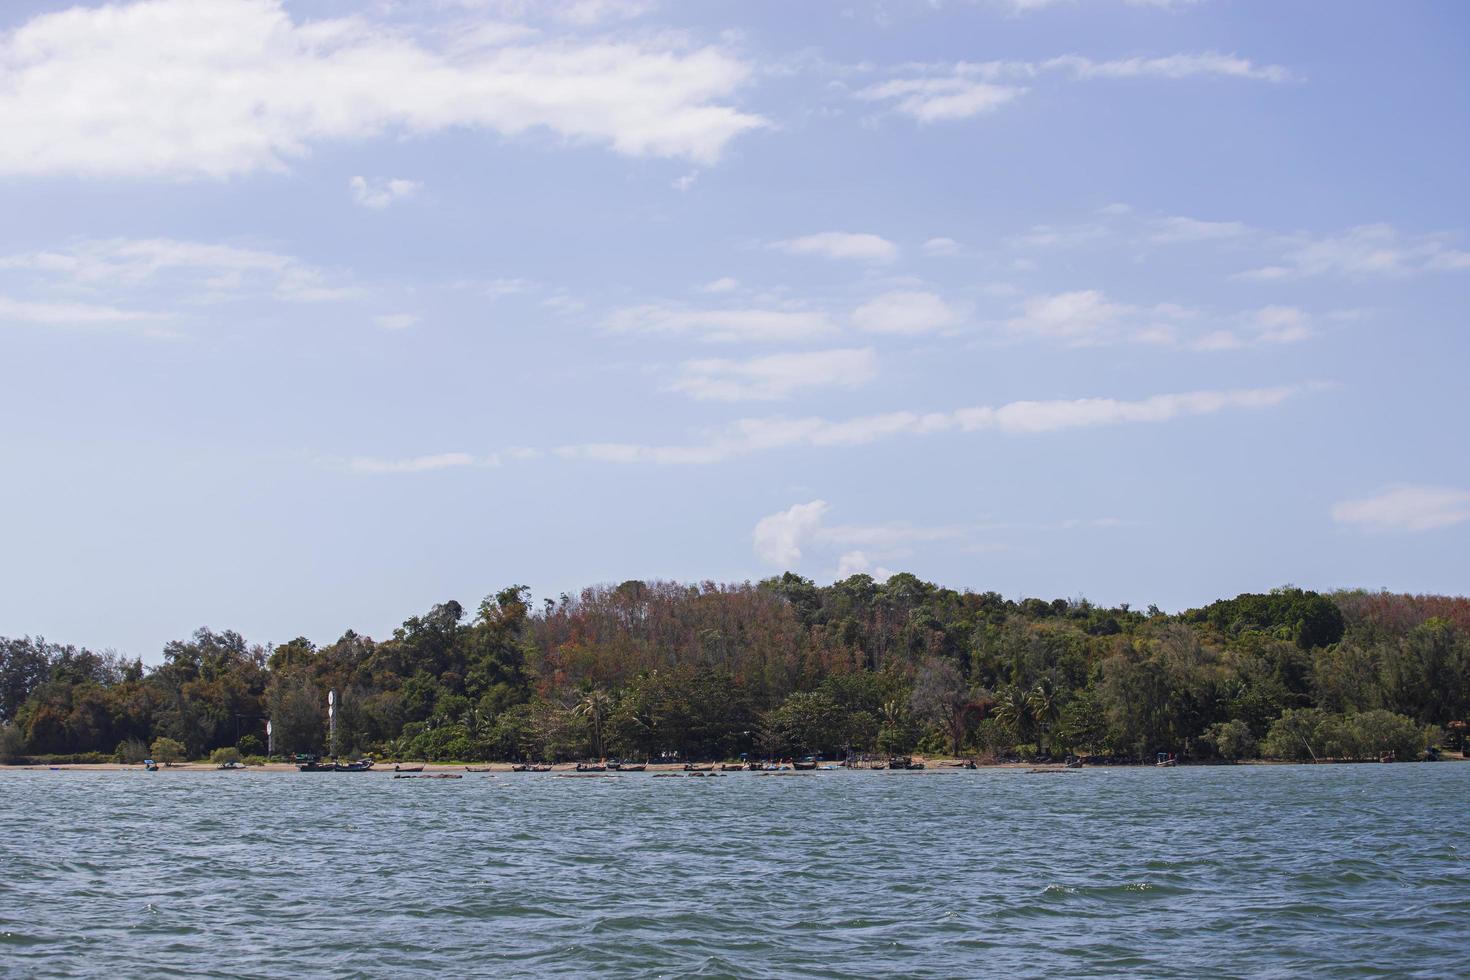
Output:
x=361 y=765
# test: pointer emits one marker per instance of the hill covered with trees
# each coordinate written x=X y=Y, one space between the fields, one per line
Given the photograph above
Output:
x=784 y=667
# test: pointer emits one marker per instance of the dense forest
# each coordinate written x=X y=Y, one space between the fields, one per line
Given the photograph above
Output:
x=781 y=668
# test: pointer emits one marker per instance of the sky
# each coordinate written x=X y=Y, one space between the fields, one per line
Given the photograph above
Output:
x=315 y=314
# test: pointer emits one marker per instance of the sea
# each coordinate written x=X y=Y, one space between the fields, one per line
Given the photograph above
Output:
x=1248 y=871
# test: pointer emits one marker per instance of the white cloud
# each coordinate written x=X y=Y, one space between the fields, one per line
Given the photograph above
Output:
x=905 y=312
x=1087 y=317
x=856 y=563
x=588 y=13
x=415 y=464
x=70 y=314
x=1025 y=6
x=962 y=90
x=1175 y=228
x=1173 y=66
x=1063 y=236
x=784 y=538
x=1080 y=317
x=779 y=537
x=1406 y=507
x=379 y=192
x=776 y=376
x=504 y=286
x=725 y=284
x=1364 y=251
x=1282 y=325
x=1119 y=224
x=722 y=325
x=213 y=270
x=752 y=435
x=862 y=246
x=941 y=246
x=942 y=98
x=177 y=87
x=396 y=321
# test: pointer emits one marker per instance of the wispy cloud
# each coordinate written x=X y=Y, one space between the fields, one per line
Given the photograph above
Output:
x=1406 y=507
x=396 y=321
x=862 y=246
x=961 y=90
x=1088 y=317
x=201 y=270
x=776 y=376
x=1208 y=63
x=1364 y=252
x=722 y=325
x=1019 y=418
x=379 y=192
x=1026 y=6
x=942 y=98
x=417 y=464
x=1173 y=229
x=71 y=314
x=180 y=88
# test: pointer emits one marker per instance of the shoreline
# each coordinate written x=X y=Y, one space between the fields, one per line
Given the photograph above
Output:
x=938 y=765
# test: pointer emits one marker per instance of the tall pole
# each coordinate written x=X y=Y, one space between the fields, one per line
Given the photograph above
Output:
x=332 y=720
x=270 y=739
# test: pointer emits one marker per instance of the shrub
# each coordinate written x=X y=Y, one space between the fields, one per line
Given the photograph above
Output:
x=225 y=755
x=167 y=750
x=132 y=751
x=1231 y=739
x=1370 y=734
x=1311 y=733
x=250 y=745
x=12 y=744
x=1297 y=735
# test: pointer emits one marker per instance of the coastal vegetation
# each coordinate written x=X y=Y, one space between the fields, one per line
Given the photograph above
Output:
x=784 y=667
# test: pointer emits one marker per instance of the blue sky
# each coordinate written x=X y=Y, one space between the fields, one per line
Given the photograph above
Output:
x=315 y=314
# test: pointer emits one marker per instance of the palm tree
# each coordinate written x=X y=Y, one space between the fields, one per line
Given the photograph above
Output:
x=595 y=706
x=1042 y=703
x=1013 y=709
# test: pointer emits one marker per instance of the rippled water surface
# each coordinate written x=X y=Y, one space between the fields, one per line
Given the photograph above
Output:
x=1265 y=871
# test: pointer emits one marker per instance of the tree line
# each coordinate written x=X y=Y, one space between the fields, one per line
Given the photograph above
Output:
x=779 y=668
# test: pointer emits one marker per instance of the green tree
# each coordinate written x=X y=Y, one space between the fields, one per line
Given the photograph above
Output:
x=594 y=706
x=1044 y=708
x=166 y=750
x=1231 y=739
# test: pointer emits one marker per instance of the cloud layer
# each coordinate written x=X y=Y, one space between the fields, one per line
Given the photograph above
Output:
x=753 y=435
x=179 y=88
x=1406 y=507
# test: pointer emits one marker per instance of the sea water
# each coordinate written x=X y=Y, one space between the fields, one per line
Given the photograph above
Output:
x=1281 y=871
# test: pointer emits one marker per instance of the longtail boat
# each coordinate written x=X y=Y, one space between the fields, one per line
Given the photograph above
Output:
x=361 y=765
